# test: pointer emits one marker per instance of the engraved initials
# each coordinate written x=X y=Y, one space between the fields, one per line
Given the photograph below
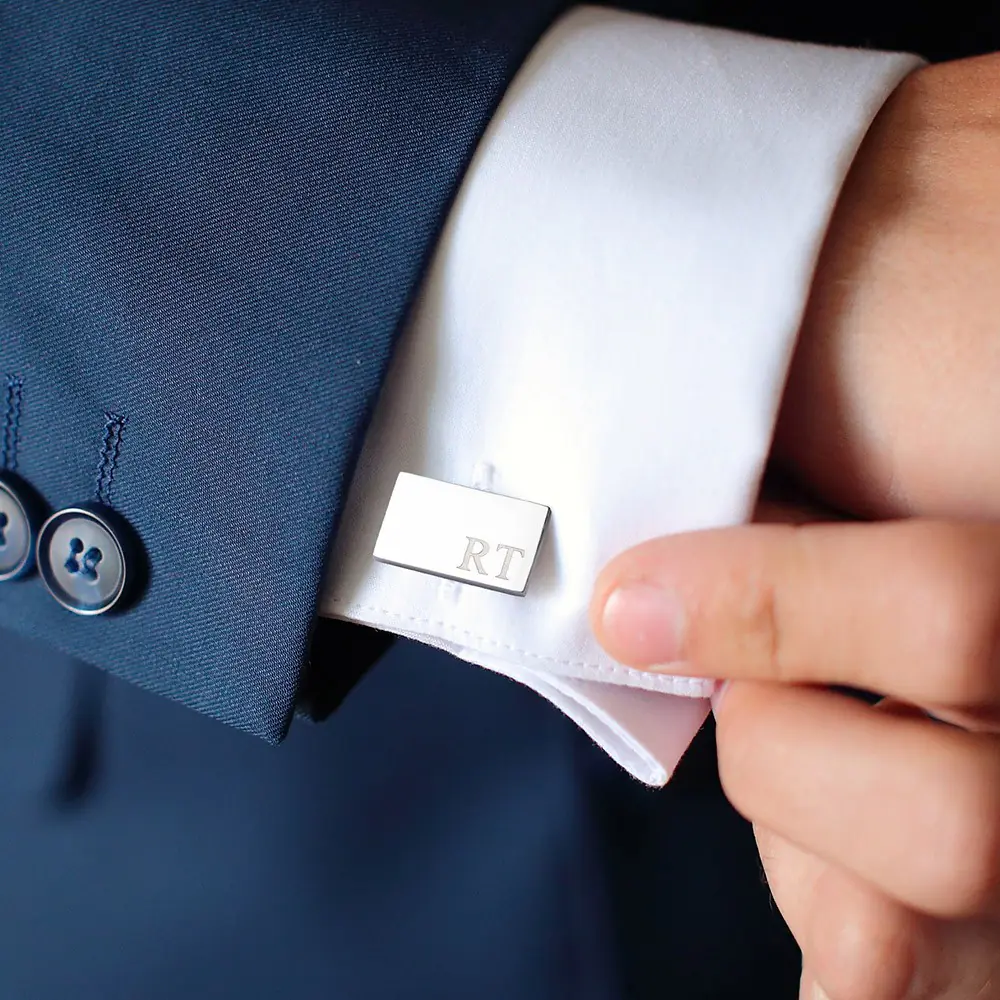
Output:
x=86 y=567
x=507 y=558
x=477 y=549
x=474 y=552
x=4 y=522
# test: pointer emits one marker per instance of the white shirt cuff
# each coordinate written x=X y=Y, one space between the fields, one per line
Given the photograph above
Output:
x=605 y=329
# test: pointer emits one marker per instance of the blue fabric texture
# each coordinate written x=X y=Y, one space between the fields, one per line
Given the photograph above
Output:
x=445 y=837
x=213 y=217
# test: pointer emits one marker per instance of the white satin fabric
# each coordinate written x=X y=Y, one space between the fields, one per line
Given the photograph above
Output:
x=605 y=330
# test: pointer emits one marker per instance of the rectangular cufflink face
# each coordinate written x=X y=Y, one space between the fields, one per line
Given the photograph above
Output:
x=472 y=536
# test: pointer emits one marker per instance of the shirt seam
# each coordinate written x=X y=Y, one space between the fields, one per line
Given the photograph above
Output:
x=692 y=684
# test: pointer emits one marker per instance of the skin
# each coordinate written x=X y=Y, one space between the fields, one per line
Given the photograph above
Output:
x=878 y=827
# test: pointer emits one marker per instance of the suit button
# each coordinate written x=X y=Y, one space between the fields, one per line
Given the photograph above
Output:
x=88 y=558
x=21 y=514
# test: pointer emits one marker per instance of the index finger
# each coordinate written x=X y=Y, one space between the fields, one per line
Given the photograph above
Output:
x=907 y=608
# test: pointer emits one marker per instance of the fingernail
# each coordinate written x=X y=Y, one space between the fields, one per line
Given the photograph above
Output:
x=644 y=623
x=718 y=694
x=819 y=993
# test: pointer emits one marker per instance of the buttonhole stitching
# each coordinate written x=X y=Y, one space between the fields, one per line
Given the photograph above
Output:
x=13 y=396
x=111 y=446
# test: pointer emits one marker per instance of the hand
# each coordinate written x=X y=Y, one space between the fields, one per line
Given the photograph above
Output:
x=893 y=400
x=879 y=828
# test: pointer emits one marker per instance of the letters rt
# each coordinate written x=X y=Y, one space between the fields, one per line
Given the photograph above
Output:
x=477 y=550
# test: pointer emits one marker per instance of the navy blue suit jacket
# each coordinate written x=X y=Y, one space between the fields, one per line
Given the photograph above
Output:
x=214 y=215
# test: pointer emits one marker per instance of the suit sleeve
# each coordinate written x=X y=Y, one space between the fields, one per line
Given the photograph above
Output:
x=214 y=218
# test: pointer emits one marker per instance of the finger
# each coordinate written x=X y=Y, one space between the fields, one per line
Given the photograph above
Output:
x=856 y=943
x=907 y=805
x=904 y=608
x=859 y=945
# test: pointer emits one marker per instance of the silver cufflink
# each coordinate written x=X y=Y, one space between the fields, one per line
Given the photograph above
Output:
x=462 y=534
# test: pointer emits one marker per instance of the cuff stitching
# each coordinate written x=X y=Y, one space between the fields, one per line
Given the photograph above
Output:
x=694 y=687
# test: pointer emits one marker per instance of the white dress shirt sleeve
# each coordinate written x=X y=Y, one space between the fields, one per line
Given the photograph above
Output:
x=605 y=330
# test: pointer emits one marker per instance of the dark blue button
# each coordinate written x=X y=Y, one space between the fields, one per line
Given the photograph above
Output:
x=21 y=515
x=89 y=559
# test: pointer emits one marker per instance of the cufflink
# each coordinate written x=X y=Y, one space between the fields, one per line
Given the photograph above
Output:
x=22 y=512
x=90 y=559
x=472 y=536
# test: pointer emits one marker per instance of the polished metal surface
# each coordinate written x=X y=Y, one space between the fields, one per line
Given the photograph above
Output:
x=472 y=536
